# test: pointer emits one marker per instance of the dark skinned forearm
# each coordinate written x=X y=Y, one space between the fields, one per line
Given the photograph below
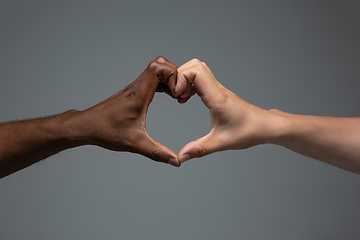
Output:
x=23 y=143
x=117 y=123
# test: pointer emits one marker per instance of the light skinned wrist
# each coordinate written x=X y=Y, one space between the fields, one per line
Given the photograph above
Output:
x=275 y=126
x=284 y=127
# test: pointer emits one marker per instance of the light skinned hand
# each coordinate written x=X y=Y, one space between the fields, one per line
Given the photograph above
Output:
x=235 y=123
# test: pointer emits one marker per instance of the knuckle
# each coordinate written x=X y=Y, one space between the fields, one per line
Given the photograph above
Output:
x=160 y=59
x=195 y=61
x=153 y=65
x=173 y=74
x=200 y=67
x=201 y=151
x=204 y=64
x=156 y=155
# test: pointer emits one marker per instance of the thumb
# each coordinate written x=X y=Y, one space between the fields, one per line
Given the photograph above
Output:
x=199 y=148
x=156 y=151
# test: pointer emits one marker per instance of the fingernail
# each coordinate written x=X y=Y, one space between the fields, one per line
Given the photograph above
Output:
x=184 y=158
x=175 y=95
x=174 y=162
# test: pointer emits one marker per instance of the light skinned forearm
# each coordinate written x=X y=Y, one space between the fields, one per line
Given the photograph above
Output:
x=23 y=143
x=333 y=140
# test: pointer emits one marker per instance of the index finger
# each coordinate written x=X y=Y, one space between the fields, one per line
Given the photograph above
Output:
x=171 y=81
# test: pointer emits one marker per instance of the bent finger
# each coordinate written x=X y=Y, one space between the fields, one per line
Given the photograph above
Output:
x=164 y=60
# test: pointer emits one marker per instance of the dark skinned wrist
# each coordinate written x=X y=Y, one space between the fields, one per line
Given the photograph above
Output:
x=73 y=129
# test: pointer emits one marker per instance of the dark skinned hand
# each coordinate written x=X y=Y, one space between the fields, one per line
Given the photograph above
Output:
x=118 y=123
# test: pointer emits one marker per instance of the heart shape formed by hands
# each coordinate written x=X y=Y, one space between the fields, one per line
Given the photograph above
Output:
x=118 y=123
x=121 y=119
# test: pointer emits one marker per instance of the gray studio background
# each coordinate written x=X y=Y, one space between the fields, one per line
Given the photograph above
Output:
x=296 y=56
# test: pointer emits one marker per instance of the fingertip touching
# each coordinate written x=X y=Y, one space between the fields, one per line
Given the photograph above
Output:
x=174 y=162
x=191 y=150
x=165 y=155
